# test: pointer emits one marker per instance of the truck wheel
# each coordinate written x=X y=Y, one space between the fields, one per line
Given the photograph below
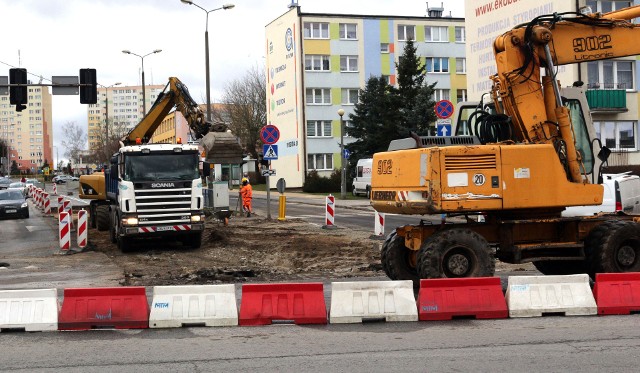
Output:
x=398 y=261
x=456 y=253
x=614 y=246
x=561 y=267
x=124 y=244
x=353 y=191
x=92 y=216
x=102 y=217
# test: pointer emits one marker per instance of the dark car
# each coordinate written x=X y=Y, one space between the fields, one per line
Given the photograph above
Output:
x=4 y=182
x=13 y=204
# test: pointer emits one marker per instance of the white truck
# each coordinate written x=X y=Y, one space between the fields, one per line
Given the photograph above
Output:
x=362 y=177
x=621 y=194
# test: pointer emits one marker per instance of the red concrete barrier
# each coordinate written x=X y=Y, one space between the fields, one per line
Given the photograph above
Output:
x=617 y=293
x=104 y=308
x=263 y=304
x=446 y=298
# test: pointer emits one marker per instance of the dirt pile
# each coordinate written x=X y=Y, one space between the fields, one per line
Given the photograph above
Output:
x=248 y=249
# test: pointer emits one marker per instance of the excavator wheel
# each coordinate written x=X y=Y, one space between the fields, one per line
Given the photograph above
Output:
x=102 y=217
x=397 y=259
x=561 y=267
x=456 y=253
x=614 y=246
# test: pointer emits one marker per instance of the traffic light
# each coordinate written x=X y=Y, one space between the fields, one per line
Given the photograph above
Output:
x=18 y=95
x=88 y=86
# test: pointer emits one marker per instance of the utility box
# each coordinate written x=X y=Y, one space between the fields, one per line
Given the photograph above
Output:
x=219 y=192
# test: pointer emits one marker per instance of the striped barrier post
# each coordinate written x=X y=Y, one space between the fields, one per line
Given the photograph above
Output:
x=379 y=224
x=55 y=189
x=60 y=200
x=66 y=207
x=39 y=199
x=330 y=211
x=47 y=204
x=82 y=229
x=64 y=231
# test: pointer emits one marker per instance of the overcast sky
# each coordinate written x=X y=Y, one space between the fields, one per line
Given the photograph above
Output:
x=58 y=37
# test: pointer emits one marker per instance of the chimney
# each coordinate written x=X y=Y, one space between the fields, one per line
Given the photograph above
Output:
x=435 y=12
x=294 y=3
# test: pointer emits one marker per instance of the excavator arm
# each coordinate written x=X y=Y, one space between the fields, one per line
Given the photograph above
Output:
x=175 y=94
x=533 y=101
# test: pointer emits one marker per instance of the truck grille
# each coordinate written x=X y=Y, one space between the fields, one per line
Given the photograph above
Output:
x=163 y=206
x=473 y=162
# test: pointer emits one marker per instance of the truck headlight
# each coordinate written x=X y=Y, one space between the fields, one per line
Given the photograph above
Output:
x=132 y=220
x=196 y=218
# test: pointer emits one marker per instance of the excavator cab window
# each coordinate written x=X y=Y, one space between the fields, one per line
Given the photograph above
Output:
x=583 y=142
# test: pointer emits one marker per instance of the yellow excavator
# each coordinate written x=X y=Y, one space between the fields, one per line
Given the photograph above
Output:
x=528 y=158
x=155 y=190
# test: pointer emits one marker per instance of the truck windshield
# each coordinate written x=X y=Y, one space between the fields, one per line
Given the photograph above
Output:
x=167 y=166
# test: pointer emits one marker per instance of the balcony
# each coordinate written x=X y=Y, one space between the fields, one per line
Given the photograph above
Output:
x=607 y=97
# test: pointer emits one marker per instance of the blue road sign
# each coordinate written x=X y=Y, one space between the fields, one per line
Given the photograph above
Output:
x=270 y=152
x=346 y=153
x=444 y=129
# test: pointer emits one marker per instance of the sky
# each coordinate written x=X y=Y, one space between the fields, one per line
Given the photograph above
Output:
x=59 y=37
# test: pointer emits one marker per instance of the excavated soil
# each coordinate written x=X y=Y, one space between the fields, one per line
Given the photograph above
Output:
x=248 y=249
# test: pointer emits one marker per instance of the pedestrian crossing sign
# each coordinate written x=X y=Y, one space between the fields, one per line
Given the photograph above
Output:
x=270 y=152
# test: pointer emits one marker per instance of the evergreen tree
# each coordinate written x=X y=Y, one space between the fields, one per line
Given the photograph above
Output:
x=416 y=97
x=375 y=120
x=15 y=170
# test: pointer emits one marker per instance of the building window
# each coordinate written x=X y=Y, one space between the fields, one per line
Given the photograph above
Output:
x=437 y=64
x=318 y=96
x=406 y=32
x=318 y=128
x=349 y=96
x=461 y=95
x=617 y=135
x=314 y=62
x=316 y=30
x=348 y=31
x=349 y=63
x=440 y=94
x=436 y=33
x=461 y=35
x=606 y=6
x=384 y=47
x=320 y=161
x=610 y=74
x=387 y=78
x=461 y=65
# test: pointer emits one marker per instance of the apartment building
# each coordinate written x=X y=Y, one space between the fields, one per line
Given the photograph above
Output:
x=29 y=133
x=121 y=107
x=612 y=85
x=316 y=64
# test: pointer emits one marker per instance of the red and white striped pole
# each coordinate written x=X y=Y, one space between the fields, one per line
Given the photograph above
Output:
x=66 y=207
x=379 y=225
x=64 y=231
x=330 y=211
x=82 y=229
x=55 y=189
x=40 y=204
x=47 y=204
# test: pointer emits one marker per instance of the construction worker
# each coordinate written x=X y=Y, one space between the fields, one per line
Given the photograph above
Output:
x=246 y=192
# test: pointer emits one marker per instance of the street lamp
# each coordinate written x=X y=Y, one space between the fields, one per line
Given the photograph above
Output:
x=144 y=97
x=206 y=48
x=343 y=179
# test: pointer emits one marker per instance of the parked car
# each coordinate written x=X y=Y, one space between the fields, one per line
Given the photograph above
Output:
x=621 y=193
x=61 y=179
x=13 y=204
x=4 y=182
x=22 y=187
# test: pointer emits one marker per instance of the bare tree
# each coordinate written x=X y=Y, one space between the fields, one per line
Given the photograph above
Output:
x=75 y=140
x=109 y=146
x=246 y=107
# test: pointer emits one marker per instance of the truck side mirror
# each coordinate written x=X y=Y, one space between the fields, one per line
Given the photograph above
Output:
x=604 y=154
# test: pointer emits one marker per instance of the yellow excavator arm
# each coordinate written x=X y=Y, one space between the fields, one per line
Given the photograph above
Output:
x=533 y=102
x=176 y=95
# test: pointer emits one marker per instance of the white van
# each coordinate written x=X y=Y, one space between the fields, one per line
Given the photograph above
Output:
x=362 y=177
x=621 y=193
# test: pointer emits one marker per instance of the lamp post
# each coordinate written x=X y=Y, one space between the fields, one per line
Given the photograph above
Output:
x=343 y=179
x=144 y=96
x=106 y=111
x=206 y=48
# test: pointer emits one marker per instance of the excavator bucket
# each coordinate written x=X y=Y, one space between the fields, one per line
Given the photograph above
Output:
x=222 y=148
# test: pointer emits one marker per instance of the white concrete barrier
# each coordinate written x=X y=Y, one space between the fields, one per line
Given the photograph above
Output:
x=354 y=302
x=201 y=305
x=531 y=296
x=31 y=310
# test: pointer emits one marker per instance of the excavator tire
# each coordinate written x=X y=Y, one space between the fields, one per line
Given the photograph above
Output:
x=614 y=246
x=456 y=253
x=396 y=260
x=102 y=217
x=561 y=267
